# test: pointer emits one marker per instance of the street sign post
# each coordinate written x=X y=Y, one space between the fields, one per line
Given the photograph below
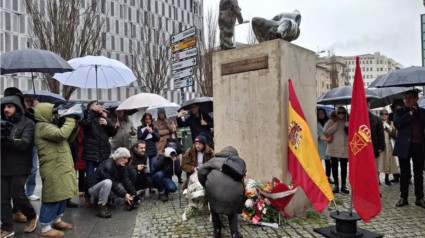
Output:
x=184 y=64
x=193 y=52
x=181 y=83
x=183 y=73
x=183 y=35
x=183 y=45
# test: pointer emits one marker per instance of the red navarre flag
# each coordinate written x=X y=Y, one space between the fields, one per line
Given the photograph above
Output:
x=363 y=176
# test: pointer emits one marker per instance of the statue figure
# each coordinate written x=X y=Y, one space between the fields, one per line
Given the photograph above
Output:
x=283 y=26
x=229 y=12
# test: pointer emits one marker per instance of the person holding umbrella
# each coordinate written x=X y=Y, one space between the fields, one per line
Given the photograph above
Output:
x=198 y=122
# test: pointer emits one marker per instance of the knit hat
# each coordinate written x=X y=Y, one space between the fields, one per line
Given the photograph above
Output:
x=169 y=152
x=201 y=139
x=121 y=152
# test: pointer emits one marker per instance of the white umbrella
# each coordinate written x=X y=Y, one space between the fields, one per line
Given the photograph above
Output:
x=141 y=100
x=96 y=72
x=170 y=109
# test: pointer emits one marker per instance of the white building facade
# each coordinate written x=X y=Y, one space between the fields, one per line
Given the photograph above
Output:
x=124 y=20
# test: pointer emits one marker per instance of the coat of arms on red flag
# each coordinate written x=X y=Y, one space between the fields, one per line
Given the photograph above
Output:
x=360 y=139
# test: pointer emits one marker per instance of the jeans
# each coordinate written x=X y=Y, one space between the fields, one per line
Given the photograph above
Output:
x=90 y=167
x=30 y=185
x=152 y=160
x=101 y=190
x=163 y=183
x=12 y=187
x=50 y=211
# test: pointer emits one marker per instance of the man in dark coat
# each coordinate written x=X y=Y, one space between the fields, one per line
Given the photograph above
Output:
x=111 y=176
x=224 y=194
x=410 y=143
x=165 y=168
x=96 y=147
x=198 y=122
x=16 y=163
x=137 y=168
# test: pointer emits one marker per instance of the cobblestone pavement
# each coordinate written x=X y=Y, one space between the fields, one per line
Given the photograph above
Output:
x=157 y=219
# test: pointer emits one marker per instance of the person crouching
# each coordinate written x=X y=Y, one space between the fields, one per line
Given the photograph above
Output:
x=165 y=168
x=111 y=176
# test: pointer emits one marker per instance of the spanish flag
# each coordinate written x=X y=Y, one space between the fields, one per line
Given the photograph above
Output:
x=303 y=159
x=363 y=176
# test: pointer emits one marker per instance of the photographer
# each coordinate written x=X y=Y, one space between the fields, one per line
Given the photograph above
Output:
x=16 y=162
x=138 y=170
x=164 y=170
x=96 y=146
x=410 y=143
x=52 y=137
x=112 y=176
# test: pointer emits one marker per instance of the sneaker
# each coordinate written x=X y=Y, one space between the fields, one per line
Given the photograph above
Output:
x=5 y=234
x=31 y=225
x=62 y=226
x=103 y=211
x=52 y=233
x=34 y=198
x=19 y=217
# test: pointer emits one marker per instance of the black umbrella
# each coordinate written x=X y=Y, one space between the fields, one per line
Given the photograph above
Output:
x=407 y=77
x=205 y=104
x=112 y=107
x=45 y=96
x=388 y=95
x=342 y=95
x=33 y=60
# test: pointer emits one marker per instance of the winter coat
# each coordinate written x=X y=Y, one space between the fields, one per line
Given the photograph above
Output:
x=224 y=194
x=164 y=130
x=56 y=164
x=402 y=121
x=338 y=146
x=196 y=128
x=108 y=169
x=321 y=144
x=386 y=160
x=151 y=142
x=167 y=166
x=137 y=159
x=190 y=159
x=16 y=152
x=124 y=133
x=96 y=138
x=377 y=134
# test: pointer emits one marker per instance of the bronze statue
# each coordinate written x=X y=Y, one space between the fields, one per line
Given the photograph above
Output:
x=283 y=26
x=229 y=12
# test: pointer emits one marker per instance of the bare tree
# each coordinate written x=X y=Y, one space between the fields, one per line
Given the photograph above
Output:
x=68 y=29
x=207 y=43
x=151 y=56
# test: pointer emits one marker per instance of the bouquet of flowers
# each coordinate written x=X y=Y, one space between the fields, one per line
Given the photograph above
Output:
x=266 y=200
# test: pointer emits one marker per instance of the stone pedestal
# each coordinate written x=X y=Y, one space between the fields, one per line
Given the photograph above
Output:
x=251 y=105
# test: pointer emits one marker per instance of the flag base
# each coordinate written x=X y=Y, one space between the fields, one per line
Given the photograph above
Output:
x=346 y=227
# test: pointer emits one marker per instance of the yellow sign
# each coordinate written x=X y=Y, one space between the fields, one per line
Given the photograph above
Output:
x=184 y=44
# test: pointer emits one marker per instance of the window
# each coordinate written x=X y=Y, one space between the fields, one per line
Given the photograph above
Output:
x=113 y=42
x=7 y=19
x=117 y=27
x=112 y=9
x=22 y=22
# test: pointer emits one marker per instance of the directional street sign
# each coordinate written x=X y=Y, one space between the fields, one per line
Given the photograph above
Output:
x=181 y=83
x=183 y=35
x=183 y=73
x=183 y=64
x=183 y=45
x=184 y=54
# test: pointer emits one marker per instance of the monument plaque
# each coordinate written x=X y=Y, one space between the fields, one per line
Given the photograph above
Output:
x=245 y=65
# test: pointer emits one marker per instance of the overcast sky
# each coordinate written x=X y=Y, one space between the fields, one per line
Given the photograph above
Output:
x=348 y=27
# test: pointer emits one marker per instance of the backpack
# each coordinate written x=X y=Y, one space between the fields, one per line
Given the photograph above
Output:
x=234 y=167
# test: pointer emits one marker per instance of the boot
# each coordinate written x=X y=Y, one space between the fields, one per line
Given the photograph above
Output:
x=236 y=234
x=387 y=180
x=336 y=189
x=19 y=217
x=217 y=232
x=344 y=189
x=103 y=211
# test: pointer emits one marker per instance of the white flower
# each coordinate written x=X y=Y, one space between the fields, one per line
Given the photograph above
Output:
x=249 y=203
x=264 y=210
x=267 y=201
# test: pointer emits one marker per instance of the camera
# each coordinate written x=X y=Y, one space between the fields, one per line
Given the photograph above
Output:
x=7 y=129
x=173 y=153
x=134 y=203
x=75 y=110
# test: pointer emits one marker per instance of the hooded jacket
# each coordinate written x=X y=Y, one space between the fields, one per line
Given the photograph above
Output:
x=16 y=152
x=56 y=164
x=224 y=194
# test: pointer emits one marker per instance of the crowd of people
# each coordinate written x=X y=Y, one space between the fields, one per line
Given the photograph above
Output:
x=98 y=148
x=397 y=139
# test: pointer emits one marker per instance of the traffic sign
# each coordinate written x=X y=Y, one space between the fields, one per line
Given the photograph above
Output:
x=184 y=54
x=183 y=35
x=184 y=64
x=183 y=73
x=183 y=45
x=181 y=83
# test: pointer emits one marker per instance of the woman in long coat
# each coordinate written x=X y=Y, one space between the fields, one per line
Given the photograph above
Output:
x=56 y=168
x=386 y=160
